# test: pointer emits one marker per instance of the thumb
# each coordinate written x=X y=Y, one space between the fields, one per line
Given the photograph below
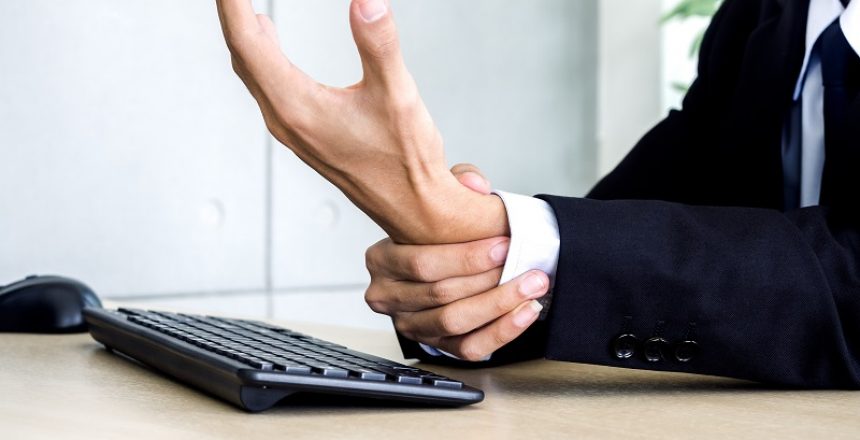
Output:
x=470 y=176
x=378 y=44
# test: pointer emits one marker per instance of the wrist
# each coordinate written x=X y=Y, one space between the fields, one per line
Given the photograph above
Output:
x=456 y=214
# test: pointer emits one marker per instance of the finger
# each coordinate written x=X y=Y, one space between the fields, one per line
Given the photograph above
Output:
x=464 y=168
x=378 y=44
x=389 y=297
x=477 y=345
x=430 y=263
x=466 y=315
x=236 y=16
x=280 y=88
x=471 y=177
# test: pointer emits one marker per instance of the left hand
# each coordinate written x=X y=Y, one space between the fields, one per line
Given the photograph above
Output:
x=447 y=296
x=374 y=140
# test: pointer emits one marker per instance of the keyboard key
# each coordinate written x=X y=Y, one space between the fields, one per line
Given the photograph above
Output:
x=410 y=380
x=134 y=312
x=440 y=381
x=403 y=376
x=291 y=367
x=259 y=364
x=365 y=374
x=330 y=371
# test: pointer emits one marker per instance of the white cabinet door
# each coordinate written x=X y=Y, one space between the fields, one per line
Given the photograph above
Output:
x=130 y=155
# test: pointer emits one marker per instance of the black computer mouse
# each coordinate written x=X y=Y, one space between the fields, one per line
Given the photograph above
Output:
x=45 y=304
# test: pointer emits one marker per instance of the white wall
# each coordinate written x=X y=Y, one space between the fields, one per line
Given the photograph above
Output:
x=629 y=100
x=129 y=155
x=132 y=159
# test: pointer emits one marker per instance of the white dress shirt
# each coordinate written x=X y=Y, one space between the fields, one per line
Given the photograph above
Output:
x=534 y=228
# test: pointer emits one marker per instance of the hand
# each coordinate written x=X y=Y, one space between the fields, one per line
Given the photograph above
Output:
x=448 y=296
x=374 y=140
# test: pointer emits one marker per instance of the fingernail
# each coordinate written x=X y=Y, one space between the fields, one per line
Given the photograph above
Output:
x=499 y=252
x=372 y=10
x=532 y=285
x=528 y=314
x=476 y=182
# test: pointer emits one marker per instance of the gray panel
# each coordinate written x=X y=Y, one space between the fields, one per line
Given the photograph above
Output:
x=510 y=84
x=130 y=155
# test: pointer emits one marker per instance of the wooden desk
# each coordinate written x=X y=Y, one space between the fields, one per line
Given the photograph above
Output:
x=70 y=387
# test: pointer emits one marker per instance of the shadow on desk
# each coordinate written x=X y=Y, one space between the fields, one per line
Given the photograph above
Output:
x=555 y=379
x=537 y=380
x=296 y=403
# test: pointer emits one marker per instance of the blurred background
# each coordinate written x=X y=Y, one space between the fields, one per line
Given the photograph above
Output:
x=133 y=159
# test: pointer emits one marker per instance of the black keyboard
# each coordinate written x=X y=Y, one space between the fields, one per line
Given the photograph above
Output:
x=254 y=365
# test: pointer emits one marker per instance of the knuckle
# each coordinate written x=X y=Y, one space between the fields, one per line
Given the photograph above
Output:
x=505 y=300
x=371 y=259
x=450 y=323
x=471 y=351
x=499 y=339
x=402 y=326
x=385 y=45
x=240 y=41
x=374 y=297
x=404 y=105
x=375 y=257
x=475 y=261
x=418 y=267
x=441 y=292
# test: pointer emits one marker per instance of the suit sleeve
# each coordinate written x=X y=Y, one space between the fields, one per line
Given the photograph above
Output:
x=767 y=296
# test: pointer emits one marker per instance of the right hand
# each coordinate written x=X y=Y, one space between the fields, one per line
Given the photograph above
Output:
x=447 y=296
x=374 y=140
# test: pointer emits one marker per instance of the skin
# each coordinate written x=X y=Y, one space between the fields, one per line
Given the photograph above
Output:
x=448 y=295
x=376 y=142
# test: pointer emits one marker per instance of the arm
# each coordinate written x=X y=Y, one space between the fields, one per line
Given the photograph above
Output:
x=377 y=143
x=769 y=296
x=374 y=140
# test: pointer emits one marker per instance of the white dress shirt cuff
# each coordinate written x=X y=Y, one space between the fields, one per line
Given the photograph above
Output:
x=534 y=238
x=534 y=245
x=850 y=23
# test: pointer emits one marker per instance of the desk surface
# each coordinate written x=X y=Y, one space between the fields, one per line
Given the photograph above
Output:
x=70 y=387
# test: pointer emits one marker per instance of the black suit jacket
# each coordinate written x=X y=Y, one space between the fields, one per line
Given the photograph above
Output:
x=687 y=238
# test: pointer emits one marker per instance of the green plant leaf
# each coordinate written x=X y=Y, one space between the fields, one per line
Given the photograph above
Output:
x=692 y=8
x=680 y=87
x=696 y=44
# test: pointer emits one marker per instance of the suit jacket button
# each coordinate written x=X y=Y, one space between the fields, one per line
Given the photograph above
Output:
x=685 y=351
x=655 y=349
x=624 y=346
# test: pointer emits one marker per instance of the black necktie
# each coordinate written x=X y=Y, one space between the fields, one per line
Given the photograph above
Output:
x=840 y=70
x=845 y=2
